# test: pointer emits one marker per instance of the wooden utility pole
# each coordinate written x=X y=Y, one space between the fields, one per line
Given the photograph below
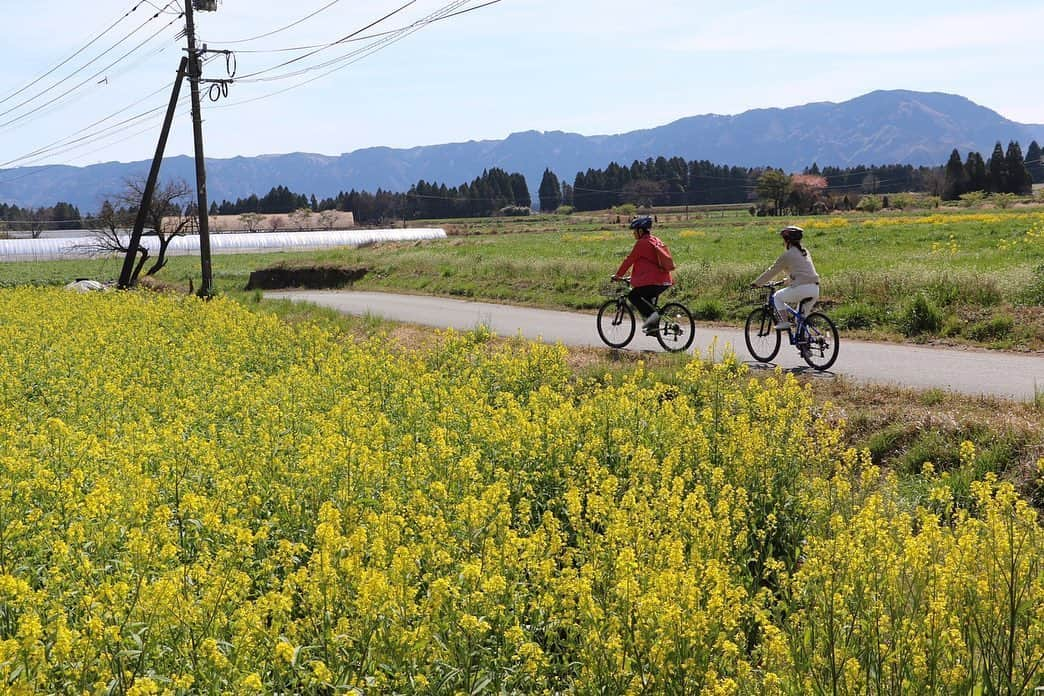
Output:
x=126 y=274
x=206 y=287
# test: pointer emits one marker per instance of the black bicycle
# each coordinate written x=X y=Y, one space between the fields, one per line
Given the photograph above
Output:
x=617 y=325
x=814 y=335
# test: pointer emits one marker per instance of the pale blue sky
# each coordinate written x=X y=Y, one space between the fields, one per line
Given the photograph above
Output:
x=575 y=65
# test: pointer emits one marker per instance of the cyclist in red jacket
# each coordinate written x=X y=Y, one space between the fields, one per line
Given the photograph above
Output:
x=648 y=277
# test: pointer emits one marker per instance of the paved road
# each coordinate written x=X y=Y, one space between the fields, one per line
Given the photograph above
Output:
x=1010 y=375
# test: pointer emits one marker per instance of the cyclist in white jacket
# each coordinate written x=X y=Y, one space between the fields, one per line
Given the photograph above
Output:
x=802 y=279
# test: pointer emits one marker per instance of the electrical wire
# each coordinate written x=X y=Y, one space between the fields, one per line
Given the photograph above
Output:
x=40 y=169
x=89 y=63
x=360 y=53
x=279 y=30
x=72 y=99
x=70 y=143
x=412 y=28
x=70 y=140
x=78 y=52
x=343 y=39
x=365 y=37
x=85 y=81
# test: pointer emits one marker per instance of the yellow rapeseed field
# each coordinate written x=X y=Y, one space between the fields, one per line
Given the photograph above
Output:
x=195 y=498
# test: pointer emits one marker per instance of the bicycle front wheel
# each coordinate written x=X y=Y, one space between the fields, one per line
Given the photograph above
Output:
x=819 y=344
x=616 y=323
x=761 y=335
x=677 y=327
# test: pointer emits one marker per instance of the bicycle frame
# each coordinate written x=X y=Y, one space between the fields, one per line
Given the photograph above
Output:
x=796 y=332
x=674 y=330
x=624 y=298
x=812 y=333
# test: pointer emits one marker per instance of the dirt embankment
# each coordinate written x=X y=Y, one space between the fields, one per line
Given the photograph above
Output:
x=313 y=277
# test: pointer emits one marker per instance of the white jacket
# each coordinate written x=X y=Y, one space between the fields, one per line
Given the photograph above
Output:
x=797 y=266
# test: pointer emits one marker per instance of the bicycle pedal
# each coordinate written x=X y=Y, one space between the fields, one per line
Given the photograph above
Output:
x=651 y=332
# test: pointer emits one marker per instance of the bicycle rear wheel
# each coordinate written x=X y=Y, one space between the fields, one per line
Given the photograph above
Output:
x=616 y=323
x=761 y=335
x=677 y=327
x=820 y=351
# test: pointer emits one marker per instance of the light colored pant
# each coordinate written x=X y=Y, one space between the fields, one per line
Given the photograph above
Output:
x=793 y=294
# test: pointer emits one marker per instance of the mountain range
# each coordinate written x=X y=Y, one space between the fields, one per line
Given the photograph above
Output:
x=882 y=127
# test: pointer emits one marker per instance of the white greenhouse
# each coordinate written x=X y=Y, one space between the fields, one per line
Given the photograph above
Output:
x=47 y=249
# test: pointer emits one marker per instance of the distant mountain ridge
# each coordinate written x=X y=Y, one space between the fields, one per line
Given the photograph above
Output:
x=882 y=127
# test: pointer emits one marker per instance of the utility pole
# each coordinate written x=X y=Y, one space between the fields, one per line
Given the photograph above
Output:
x=206 y=287
x=127 y=273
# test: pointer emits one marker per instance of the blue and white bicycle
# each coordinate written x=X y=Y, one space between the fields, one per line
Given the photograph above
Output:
x=814 y=335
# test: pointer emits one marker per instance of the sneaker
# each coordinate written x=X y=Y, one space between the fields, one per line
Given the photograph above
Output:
x=652 y=321
x=782 y=324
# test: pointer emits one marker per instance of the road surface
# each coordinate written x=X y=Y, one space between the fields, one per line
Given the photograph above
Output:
x=1018 y=376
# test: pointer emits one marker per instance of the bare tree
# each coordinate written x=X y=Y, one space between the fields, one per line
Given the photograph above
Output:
x=327 y=219
x=252 y=221
x=300 y=217
x=168 y=214
x=108 y=235
x=275 y=222
x=167 y=217
x=37 y=219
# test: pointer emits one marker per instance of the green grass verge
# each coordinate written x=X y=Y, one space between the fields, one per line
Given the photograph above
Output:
x=963 y=276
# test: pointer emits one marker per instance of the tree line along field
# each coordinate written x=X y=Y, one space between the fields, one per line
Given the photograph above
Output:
x=283 y=507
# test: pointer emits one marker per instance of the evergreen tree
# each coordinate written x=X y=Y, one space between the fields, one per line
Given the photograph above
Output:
x=1033 y=162
x=550 y=192
x=1019 y=180
x=975 y=171
x=997 y=167
x=956 y=181
x=521 y=190
x=567 y=194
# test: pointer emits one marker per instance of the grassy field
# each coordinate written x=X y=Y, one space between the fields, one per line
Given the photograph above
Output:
x=957 y=276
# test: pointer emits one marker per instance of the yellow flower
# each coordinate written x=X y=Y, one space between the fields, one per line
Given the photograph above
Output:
x=285 y=653
x=252 y=682
x=321 y=672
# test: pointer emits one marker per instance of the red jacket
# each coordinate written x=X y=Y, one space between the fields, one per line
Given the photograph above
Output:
x=647 y=270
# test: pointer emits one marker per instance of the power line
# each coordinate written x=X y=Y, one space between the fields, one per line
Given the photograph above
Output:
x=71 y=99
x=365 y=37
x=332 y=44
x=63 y=144
x=151 y=127
x=390 y=37
x=71 y=142
x=370 y=50
x=280 y=29
x=85 y=66
x=78 y=52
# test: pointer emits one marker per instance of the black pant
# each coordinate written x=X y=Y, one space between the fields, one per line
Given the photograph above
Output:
x=643 y=298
